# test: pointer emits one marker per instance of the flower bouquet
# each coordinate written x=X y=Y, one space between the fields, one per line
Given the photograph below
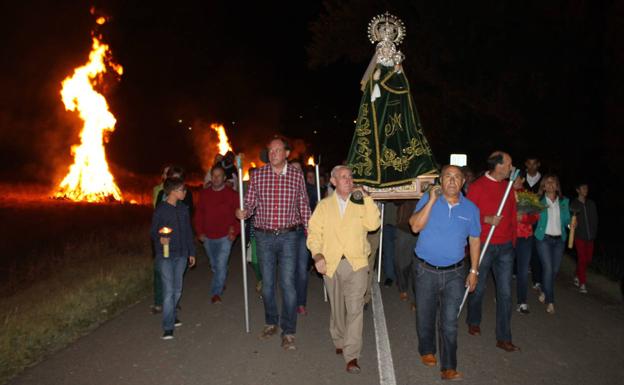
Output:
x=529 y=203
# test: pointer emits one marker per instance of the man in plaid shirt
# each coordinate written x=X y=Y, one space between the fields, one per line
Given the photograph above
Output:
x=278 y=199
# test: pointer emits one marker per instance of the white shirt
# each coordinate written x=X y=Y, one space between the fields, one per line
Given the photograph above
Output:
x=533 y=179
x=553 y=227
x=342 y=204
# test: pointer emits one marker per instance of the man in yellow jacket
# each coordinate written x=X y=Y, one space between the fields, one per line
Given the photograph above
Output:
x=337 y=239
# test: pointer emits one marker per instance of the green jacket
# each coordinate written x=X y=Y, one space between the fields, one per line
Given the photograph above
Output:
x=564 y=210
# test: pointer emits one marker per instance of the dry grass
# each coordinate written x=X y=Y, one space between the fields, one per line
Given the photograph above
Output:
x=75 y=267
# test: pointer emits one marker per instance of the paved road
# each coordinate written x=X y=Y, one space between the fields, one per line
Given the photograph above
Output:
x=582 y=344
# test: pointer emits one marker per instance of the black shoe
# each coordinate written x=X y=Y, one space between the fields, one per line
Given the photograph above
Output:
x=177 y=323
x=168 y=335
x=156 y=309
x=388 y=282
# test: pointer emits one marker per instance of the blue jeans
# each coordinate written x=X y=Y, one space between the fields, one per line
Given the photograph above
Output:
x=218 y=251
x=301 y=274
x=389 y=236
x=171 y=274
x=550 y=251
x=444 y=290
x=279 y=250
x=523 y=257
x=499 y=259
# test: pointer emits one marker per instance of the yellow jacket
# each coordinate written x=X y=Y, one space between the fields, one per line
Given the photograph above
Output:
x=333 y=236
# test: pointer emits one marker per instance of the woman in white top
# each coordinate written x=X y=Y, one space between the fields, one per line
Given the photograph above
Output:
x=550 y=236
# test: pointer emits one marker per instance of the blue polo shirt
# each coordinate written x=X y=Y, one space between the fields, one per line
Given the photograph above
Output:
x=443 y=240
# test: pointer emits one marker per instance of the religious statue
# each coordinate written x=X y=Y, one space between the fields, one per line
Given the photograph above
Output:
x=389 y=147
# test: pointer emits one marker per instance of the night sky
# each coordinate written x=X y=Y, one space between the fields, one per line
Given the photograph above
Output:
x=534 y=77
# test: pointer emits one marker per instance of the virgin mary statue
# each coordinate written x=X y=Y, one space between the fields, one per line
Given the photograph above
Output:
x=389 y=147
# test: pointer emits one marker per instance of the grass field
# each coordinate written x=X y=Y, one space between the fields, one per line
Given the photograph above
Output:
x=66 y=268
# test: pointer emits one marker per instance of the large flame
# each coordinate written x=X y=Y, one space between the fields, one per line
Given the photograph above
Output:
x=224 y=142
x=310 y=161
x=89 y=178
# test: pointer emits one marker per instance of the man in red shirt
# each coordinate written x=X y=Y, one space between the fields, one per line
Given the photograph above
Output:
x=278 y=199
x=487 y=193
x=216 y=227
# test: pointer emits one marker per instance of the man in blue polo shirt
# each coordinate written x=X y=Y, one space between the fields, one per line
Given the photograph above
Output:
x=444 y=219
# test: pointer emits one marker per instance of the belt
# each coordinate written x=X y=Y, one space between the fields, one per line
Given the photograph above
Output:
x=552 y=236
x=450 y=267
x=283 y=230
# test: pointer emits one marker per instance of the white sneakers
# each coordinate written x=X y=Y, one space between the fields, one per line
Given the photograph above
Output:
x=583 y=289
x=523 y=308
x=550 y=308
x=576 y=282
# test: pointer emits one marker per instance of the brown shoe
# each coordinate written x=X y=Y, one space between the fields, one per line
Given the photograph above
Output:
x=353 y=367
x=428 y=360
x=474 y=330
x=451 y=375
x=268 y=331
x=338 y=351
x=215 y=299
x=403 y=296
x=507 y=346
x=288 y=342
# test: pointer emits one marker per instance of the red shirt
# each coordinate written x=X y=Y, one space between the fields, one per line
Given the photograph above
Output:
x=487 y=194
x=215 y=212
x=277 y=200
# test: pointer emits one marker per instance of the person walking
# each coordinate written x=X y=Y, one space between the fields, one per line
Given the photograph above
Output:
x=444 y=219
x=278 y=199
x=551 y=235
x=337 y=240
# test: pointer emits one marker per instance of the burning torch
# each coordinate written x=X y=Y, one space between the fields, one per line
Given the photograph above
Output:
x=165 y=232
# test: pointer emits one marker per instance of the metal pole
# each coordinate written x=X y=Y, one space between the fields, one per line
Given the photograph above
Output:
x=512 y=177
x=318 y=199
x=383 y=206
x=243 y=241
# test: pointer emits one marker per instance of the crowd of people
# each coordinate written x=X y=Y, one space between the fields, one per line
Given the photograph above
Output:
x=431 y=246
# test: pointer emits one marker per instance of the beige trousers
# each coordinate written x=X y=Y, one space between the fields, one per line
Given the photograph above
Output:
x=346 y=298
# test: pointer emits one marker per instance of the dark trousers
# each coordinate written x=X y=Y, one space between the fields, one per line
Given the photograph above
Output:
x=438 y=291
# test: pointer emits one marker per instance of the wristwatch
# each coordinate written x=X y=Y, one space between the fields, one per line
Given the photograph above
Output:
x=475 y=272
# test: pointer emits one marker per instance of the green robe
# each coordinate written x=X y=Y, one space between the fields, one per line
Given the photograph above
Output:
x=389 y=147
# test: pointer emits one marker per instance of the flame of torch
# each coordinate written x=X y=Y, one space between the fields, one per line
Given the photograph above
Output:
x=224 y=142
x=89 y=178
x=165 y=232
x=310 y=161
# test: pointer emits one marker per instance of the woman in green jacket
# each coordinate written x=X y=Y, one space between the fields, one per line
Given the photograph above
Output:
x=550 y=235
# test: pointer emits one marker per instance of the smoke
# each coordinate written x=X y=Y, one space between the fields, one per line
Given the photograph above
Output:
x=205 y=141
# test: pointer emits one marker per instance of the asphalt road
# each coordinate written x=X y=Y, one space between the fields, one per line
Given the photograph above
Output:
x=583 y=343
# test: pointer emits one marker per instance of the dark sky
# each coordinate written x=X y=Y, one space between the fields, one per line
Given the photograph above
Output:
x=198 y=60
x=536 y=77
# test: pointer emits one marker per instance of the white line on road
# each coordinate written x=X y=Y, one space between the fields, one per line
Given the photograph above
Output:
x=384 y=354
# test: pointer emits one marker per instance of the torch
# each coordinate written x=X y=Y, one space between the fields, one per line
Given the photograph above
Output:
x=239 y=166
x=572 y=228
x=165 y=232
x=512 y=177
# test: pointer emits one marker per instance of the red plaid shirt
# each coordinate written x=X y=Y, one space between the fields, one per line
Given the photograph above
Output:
x=278 y=200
